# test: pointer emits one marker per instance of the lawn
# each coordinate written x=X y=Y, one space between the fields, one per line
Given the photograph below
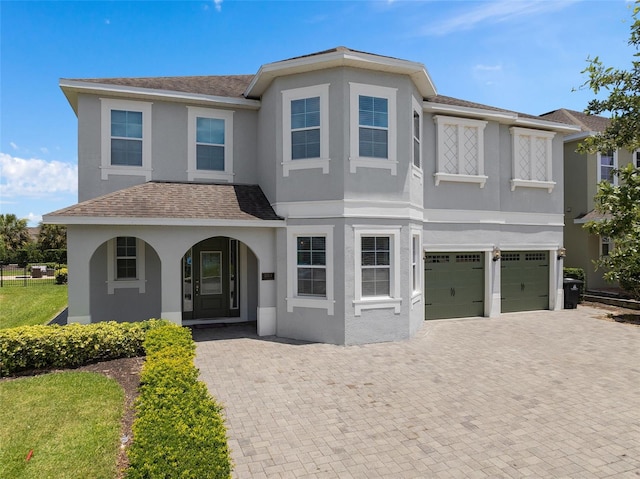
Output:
x=26 y=306
x=70 y=420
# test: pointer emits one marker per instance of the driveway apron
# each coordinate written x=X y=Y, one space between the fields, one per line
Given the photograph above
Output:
x=540 y=394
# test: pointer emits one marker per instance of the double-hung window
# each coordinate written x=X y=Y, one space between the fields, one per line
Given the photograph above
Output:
x=532 y=165
x=607 y=163
x=460 y=150
x=126 y=267
x=305 y=131
x=210 y=147
x=126 y=138
x=125 y=264
x=310 y=268
x=376 y=265
x=377 y=273
x=372 y=127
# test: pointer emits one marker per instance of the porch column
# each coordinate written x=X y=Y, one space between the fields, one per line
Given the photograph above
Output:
x=78 y=279
x=170 y=259
x=267 y=319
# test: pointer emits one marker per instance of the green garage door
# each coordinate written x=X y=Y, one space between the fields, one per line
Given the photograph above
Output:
x=524 y=280
x=454 y=285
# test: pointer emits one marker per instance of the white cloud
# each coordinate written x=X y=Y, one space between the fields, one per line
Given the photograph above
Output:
x=35 y=178
x=13 y=145
x=218 y=5
x=33 y=218
x=487 y=68
x=494 y=11
x=44 y=150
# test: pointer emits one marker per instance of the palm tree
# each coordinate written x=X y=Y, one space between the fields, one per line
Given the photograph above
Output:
x=52 y=237
x=13 y=232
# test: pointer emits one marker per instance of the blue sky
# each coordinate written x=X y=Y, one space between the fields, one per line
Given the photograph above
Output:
x=520 y=55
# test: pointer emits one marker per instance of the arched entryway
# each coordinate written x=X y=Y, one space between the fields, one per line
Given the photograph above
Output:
x=219 y=282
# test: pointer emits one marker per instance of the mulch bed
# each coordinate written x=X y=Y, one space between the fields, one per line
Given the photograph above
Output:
x=615 y=313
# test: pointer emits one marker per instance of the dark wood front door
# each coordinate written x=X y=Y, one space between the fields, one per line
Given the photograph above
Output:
x=211 y=276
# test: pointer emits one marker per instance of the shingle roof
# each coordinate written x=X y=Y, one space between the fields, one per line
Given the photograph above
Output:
x=177 y=200
x=587 y=123
x=216 y=85
x=448 y=100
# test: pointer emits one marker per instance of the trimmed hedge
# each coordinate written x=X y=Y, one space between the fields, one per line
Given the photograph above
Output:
x=29 y=348
x=179 y=431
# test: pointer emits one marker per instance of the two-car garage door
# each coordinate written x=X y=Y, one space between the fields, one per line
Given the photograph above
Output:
x=455 y=283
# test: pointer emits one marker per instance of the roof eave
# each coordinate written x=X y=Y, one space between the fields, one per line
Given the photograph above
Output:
x=71 y=88
x=144 y=221
x=268 y=72
x=505 y=117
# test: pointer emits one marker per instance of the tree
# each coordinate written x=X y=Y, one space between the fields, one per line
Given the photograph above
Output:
x=619 y=204
x=14 y=233
x=52 y=237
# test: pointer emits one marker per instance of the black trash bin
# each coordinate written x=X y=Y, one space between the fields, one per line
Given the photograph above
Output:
x=572 y=290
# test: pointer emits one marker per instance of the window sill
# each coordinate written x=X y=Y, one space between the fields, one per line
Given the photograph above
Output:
x=126 y=171
x=416 y=172
x=382 y=163
x=377 y=303
x=193 y=175
x=548 y=185
x=305 y=164
x=139 y=284
x=478 y=179
x=416 y=297
x=309 y=302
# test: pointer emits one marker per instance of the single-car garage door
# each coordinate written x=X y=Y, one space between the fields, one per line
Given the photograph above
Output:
x=524 y=280
x=454 y=285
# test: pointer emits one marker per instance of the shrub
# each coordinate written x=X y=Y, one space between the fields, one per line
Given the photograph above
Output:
x=62 y=276
x=179 y=430
x=29 y=348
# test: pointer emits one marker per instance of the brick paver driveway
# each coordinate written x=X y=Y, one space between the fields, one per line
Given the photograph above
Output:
x=544 y=395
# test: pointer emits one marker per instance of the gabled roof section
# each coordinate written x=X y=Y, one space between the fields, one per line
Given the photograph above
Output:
x=162 y=203
x=218 y=88
x=340 y=57
x=446 y=105
x=587 y=123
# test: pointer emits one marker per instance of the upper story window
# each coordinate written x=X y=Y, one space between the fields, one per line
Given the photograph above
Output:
x=210 y=146
x=417 y=134
x=460 y=150
x=373 y=127
x=636 y=158
x=532 y=163
x=126 y=138
x=305 y=140
x=607 y=162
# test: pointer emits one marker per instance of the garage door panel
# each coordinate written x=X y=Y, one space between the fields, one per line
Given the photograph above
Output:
x=524 y=281
x=454 y=285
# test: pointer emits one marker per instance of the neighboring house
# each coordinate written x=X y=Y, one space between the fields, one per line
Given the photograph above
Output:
x=582 y=174
x=333 y=197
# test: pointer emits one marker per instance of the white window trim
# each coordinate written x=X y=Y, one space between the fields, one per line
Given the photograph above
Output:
x=288 y=96
x=417 y=108
x=355 y=160
x=192 y=172
x=416 y=294
x=394 y=300
x=517 y=132
x=293 y=300
x=615 y=165
x=106 y=169
x=602 y=243
x=112 y=282
x=460 y=123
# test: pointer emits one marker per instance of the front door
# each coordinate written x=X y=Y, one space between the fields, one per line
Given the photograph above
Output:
x=214 y=279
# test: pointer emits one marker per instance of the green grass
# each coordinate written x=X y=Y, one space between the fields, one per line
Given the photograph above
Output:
x=70 y=420
x=26 y=306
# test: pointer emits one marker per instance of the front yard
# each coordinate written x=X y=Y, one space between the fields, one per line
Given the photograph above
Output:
x=31 y=305
x=62 y=425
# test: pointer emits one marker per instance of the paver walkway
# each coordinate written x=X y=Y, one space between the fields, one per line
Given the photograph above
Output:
x=544 y=395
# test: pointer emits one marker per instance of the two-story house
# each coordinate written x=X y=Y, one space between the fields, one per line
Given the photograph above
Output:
x=333 y=197
x=583 y=172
